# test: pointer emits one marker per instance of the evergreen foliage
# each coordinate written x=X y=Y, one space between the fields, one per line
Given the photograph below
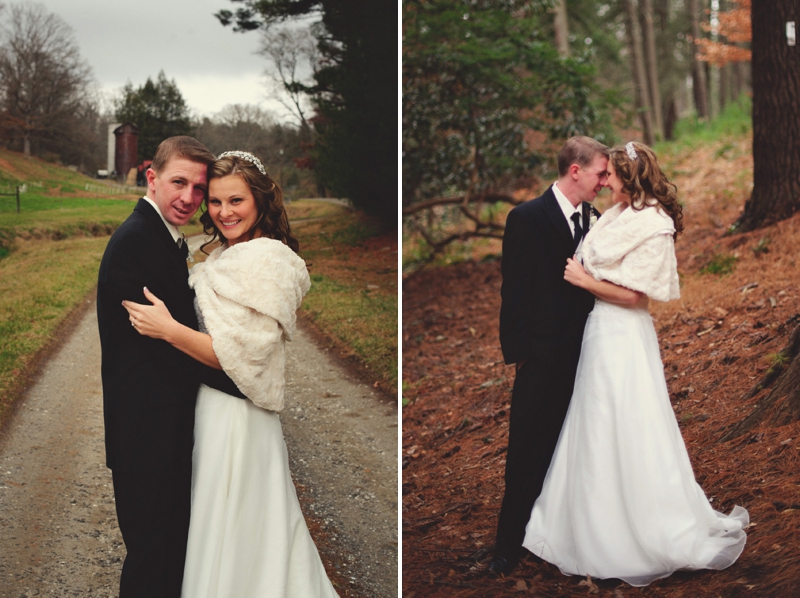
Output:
x=355 y=93
x=478 y=78
x=158 y=109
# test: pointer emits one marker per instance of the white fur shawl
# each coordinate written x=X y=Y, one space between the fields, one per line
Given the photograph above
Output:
x=634 y=249
x=247 y=296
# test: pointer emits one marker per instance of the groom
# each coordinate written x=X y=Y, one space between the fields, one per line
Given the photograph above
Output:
x=541 y=326
x=149 y=387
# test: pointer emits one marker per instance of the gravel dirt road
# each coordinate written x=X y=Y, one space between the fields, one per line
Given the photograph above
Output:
x=58 y=529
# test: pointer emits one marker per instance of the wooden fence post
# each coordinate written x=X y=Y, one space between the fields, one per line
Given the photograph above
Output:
x=17 y=199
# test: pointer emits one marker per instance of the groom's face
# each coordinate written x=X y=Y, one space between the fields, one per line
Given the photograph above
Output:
x=592 y=179
x=178 y=189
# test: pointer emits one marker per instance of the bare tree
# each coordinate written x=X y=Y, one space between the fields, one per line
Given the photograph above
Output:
x=239 y=126
x=295 y=58
x=44 y=79
x=247 y=124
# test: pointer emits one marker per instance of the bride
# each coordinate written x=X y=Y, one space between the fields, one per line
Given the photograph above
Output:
x=247 y=535
x=620 y=499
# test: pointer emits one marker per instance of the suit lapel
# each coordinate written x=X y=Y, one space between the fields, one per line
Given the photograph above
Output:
x=162 y=234
x=587 y=213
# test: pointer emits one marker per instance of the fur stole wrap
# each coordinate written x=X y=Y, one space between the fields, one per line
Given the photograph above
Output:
x=634 y=249
x=247 y=296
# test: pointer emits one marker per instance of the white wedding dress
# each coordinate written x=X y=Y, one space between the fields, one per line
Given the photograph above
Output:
x=620 y=499
x=247 y=534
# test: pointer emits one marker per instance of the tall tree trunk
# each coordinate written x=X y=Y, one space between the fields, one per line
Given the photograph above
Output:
x=649 y=44
x=643 y=103
x=698 y=72
x=561 y=27
x=776 y=117
x=724 y=85
x=744 y=69
x=738 y=79
x=662 y=10
x=26 y=138
x=670 y=118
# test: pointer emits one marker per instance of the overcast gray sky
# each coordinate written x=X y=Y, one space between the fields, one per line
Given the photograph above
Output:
x=130 y=41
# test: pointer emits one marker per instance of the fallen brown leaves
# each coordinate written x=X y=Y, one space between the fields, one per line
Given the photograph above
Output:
x=717 y=342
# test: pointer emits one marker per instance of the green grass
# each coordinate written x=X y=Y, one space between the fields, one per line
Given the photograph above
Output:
x=719 y=264
x=364 y=320
x=33 y=203
x=762 y=246
x=53 y=218
x=305 y=209
x=40 y=284
x=733 y=122
x=61 y=218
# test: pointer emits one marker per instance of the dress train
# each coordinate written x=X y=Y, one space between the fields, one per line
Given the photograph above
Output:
x=620 y=499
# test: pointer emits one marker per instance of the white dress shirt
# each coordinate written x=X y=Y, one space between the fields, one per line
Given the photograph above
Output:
x=567 y=207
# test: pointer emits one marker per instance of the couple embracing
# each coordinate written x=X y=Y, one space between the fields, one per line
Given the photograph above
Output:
x=598 y=479
x=192 y=368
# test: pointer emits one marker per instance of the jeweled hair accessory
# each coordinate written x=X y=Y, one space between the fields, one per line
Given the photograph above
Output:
x=631 y=150
x=245 y=156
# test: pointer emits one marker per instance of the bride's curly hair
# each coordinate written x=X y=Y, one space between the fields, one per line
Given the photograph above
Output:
x=272 y=221
x=643 y=179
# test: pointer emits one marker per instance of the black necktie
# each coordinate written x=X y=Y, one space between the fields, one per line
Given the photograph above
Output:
x=576 y=219
x=183 y=246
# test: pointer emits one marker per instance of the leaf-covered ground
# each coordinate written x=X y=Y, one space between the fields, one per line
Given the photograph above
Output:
x=740 y=301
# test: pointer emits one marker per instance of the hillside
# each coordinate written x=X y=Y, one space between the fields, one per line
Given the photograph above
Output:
x=738 y=306
x=45 y=178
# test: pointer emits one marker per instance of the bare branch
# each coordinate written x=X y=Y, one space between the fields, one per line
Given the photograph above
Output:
x=45 y=80
x=291 y=51
x=443 y=201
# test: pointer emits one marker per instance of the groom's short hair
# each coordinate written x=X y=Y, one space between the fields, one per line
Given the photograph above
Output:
x=581 y=151
x=181 y=146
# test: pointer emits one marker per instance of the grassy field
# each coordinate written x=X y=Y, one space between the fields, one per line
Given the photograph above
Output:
x=41 y=282
x=353 y=296
x=51 y=250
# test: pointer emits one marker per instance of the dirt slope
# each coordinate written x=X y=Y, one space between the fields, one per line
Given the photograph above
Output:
x=716 y=342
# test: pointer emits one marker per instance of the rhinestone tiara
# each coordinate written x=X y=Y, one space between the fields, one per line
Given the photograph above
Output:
x=245 y=156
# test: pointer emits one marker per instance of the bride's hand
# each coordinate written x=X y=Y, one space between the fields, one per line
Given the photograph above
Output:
x=575 y=274
x=150 y=320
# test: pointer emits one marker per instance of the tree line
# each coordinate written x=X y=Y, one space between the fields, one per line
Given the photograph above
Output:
x=344 y=141
x=492 y=88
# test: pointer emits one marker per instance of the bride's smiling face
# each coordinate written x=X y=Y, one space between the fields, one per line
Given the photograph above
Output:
x=232 y=207
x=615 y=184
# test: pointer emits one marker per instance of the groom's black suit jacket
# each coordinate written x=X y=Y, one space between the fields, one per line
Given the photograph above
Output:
x=542 y=318
x=539 y=308
x=149 y=394
x=149 y=387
